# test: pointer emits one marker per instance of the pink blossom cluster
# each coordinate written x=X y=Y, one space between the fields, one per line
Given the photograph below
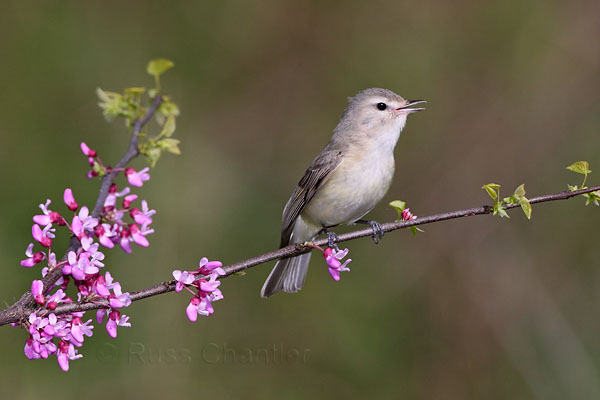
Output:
x=69 y=329
x=82 y=266
x=407 y=215
x=116 y=228
x=333 y=258
x=203 y=284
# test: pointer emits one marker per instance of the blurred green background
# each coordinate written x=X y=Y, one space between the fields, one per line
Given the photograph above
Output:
x=478 y=308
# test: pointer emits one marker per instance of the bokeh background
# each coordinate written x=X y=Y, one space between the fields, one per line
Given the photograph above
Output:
x=482 y=308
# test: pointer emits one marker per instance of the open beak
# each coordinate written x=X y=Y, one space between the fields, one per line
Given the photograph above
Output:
x=407 y=110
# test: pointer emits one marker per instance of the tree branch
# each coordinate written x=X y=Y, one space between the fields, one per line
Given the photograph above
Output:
x=25 y=305
x=293 y=250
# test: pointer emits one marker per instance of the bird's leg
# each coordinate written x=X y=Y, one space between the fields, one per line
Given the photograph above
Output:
x=376 y=227
x=332 y=238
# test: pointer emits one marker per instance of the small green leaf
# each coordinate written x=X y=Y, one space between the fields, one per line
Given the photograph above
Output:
x=520 y=191
x=510 y=200
x=491 y=189
x=169 y=127
x=112 y=104
x=525 y=206
x=135 y=90
x=572 y=188
x=399 y=206
x=415 y=229
x=158 y=66
x=580 y=167
x=502 y=212
x=152 y=155
x=171 y=145
x=593 y=197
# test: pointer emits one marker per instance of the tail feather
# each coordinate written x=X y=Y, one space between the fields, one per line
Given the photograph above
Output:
x=288 y=275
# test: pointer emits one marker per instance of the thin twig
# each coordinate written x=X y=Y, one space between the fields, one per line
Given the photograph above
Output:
x=24 y=306
x=293 y=250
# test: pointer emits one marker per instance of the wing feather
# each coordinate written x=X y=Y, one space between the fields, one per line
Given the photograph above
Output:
x=314 y=177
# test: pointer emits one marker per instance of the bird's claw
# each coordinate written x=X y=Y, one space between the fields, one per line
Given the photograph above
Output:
x=332 y=238
x=377 y=231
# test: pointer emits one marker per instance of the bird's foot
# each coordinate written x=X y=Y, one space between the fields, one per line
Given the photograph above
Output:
x=332 y=238
x=376 y=227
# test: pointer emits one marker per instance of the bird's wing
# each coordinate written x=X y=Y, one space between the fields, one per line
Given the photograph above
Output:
x=314 y=177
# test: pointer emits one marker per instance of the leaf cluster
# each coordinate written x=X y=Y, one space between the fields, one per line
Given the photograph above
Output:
x=134 y=103
x=518 y=197
x=583 y=168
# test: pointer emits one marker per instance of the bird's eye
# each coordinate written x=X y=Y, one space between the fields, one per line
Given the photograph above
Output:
x=381 y=106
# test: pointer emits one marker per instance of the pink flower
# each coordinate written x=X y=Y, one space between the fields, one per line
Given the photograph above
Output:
x=54 y=300
x=40 y=236
x=49 y=217
x=128 y=200
x=333 y=261
x=79 y=266
x=137 y=236
x=137 y=178
x=87 y=151
x=37 y=288
x=183 y=278
x=210 y=267
x=30 y=353
x=125 y=240
x=70 y=200
x=119 y=299
x=83 y=222
x=197 y=307
x=407 y=215
x=66 y=352
x=105 y=233
x=209 y=286
x=56 y=327
x=33 y=258
x=142 y=217
x=101 y=287
x=116 y=319
x=111 y=199
x=79 y=329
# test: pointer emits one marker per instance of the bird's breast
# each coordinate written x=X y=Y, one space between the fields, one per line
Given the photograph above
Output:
x=353 y=189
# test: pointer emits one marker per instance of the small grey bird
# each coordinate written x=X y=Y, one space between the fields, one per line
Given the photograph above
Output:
x=344 y=182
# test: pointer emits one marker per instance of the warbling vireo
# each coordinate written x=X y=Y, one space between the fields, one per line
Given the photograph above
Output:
x=344 y=182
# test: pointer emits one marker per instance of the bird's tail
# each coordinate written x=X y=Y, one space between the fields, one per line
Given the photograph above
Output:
x=287 y=275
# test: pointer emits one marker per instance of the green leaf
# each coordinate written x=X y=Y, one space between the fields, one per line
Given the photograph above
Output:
x=525 y=206
x=499 y=210
x=520 y=191
x=593 y=197
x=580 y=167
x=399 y=206
x=158 y=66
x=135 y=90
x=502 y=212
x=169 y=127
x=112 y=104
x=510 y=200
x=153 y=154
x=415 y=229
x=171 y=145
x=491 y=189
x=572 y=188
